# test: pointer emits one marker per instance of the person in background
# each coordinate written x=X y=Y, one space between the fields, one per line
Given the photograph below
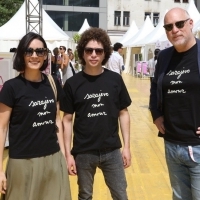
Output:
x=152 y=63
x=36 y=166
x=69 y=51
x=72 y=64
x=98 y=98
x=64 y=63
x=115 y=62
x=55 y=64
x=151 y=66
x=174 y=104
x=13 y=50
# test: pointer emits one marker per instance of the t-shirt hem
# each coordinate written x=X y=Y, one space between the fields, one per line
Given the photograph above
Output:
x=182 y=142
x=34 y=155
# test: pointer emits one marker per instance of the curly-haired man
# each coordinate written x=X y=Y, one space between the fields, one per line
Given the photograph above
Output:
x=98 y=97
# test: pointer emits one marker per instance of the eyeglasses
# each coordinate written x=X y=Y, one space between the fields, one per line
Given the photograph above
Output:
x=39 y=52
x=179 y=24
x=98 y=51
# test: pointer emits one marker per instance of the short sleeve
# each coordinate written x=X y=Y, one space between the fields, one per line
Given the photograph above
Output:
x=7 y=95
x=66 y=100
x=124 y=96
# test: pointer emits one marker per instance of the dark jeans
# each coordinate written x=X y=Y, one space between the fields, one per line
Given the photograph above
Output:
x=111 y=164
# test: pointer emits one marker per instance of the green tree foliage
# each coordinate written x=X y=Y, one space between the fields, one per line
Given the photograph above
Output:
x=76 y=37
x=8 y=8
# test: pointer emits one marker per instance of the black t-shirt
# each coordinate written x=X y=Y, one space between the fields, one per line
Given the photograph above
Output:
x=32 y=123
x=96 y=101
x=181 y=89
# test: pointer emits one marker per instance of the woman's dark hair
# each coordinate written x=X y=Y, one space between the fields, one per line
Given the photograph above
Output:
x=56 y=51
x=98 y=35
x=13 y=50
x=18 y=62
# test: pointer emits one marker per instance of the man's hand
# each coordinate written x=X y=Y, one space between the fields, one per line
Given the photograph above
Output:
x=198 y=130
x=126 y=156
x=159 y=122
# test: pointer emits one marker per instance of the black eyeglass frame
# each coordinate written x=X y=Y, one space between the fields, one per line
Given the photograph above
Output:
x=98 y=51
x=40 y=52
x=178 y=24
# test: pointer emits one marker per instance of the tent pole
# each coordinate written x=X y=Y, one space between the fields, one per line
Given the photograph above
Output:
x=33 y=10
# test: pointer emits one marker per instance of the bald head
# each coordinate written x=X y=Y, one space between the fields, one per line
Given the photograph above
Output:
x=178 y=27
x=176 y=13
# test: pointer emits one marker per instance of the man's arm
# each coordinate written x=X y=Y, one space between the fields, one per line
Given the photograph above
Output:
x=121 y=63
x=156 y=113
x=67 y=124
x=5 y=113
x=124 y=120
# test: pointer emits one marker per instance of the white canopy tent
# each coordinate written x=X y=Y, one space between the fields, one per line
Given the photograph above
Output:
x=153 y=36
x=193 y=12
x=15 y=29
x=133 y=29
x=84 y=27
x=196 y=29
x=158 y=36
x=143 y=32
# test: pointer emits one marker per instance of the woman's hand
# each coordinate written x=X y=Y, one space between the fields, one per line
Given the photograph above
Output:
x=3 y=182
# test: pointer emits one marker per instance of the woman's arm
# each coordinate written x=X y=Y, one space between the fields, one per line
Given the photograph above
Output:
x=67 y=124
x=5 y=113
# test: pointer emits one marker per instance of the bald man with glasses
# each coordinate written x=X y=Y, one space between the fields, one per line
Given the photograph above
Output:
x=174 y=104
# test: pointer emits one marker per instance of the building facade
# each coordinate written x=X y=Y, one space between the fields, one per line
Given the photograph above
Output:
x=70 y=14
x=115 y=16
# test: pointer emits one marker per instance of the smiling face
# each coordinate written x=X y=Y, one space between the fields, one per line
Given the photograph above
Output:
x=181 y=38
x=94 y=59
x=34 y=62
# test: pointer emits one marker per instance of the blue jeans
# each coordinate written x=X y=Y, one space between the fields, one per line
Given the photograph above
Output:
x=184 y=170
x=111 y=164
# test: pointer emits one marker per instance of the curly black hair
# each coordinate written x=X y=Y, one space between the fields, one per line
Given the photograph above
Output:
x=98 y=35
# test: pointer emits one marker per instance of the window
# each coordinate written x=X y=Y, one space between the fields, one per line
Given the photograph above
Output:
x=83 y=3
x=155 y=18
x=177 y=1
x=185 y=1
x=147 y=14
x=117 y=18
x=126 y=18
x=72 y=21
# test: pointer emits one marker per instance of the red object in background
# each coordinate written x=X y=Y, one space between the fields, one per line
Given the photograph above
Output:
x=1 y=83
